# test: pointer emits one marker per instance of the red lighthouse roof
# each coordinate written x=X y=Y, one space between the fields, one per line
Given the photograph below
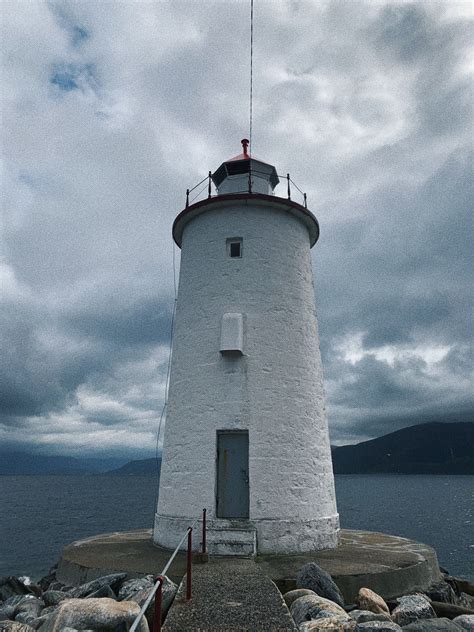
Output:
x=245 y=155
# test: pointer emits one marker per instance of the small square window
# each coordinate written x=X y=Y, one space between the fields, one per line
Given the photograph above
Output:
x=234 y=247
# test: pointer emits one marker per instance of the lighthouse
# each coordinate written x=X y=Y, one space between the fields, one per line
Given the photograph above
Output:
x=246 y=432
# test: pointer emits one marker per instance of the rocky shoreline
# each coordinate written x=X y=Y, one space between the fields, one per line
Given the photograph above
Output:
x=318 y=605
x=111 y=603
x=108 y=603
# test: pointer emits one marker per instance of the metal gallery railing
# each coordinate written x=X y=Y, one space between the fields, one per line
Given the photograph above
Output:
x=208 y=185
x=157 y=590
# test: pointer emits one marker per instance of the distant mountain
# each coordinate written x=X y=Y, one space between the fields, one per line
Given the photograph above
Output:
x=24 y=463
x=144 y=467
x=431 y=448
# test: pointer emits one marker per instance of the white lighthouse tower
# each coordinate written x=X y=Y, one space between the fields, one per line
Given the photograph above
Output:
x=246 y=431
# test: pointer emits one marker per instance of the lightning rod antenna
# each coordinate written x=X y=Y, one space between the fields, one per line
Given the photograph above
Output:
x=251 y=76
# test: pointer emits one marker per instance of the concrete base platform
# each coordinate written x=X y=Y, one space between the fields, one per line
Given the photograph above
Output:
x=389 y=565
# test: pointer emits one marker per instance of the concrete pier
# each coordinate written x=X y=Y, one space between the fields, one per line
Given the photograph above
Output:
x=389 y=565
x=229 y=594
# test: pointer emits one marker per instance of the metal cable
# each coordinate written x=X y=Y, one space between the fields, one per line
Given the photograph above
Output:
x=251 y=76
x=196 y=185
x=198 y=194
x=168 y=369
x=158 y=582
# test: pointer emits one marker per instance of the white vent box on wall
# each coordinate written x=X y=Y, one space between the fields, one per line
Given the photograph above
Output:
x=232 y=334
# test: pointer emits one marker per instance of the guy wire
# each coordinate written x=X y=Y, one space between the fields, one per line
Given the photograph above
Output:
x=168 y=370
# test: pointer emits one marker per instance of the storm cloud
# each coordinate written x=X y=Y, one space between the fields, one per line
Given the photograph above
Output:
x=111 y=111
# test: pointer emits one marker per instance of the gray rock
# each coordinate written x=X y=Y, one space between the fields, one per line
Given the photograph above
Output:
x=103 y=591
x=460 y=585
x=378 y=626
x=132 y=586
x=48 y=610
x=316 y=607
x=38 y=622
x=57 y=586
x=28 y=609
x=465 y=621
x=363 y=616
x=169 y=591
x=11 y=586
x=104 y=614
x=442 y=591
x=13 y=626
x=466 y=600
x=42 y=618
x=14 y=601
x=46 y=581
x=8 y=608
x=329 y=624
x=7 y=612
x=292 y=595
x=113 y=581
x=54 y=597
x=412 y=608
x=432 y=625
x=450 y=610
x=315 y=578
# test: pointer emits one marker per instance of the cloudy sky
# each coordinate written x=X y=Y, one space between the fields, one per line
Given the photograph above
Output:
x=111 y=110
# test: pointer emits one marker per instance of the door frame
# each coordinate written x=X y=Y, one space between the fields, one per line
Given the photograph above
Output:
x=242 y=431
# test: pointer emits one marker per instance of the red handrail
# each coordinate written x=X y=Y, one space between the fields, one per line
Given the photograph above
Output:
x=158 y=586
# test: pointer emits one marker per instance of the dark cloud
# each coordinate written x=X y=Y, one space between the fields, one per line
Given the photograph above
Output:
x=123 y=320
x=110 y=116
x=406 y=31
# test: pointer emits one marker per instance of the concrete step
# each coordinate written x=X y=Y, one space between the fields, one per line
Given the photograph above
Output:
x=232 y=541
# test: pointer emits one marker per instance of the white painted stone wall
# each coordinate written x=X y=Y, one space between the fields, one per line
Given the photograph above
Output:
x=275 y=390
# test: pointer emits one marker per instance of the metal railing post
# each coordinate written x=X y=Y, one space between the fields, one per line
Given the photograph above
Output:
x=158 y=585
x=288 y=181
x=189 y=565
x=209 y=185
x=204 y=531
x=187 y=198
x=158 y=605
x=305 y=201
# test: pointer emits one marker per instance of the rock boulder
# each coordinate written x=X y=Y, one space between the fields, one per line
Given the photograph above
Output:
x=54 y=597
x=28 y=609
x=132 y=586
x=442 y=591
x=329 y=624
x=169 y=591
x=465 y=621
x=13 y=626
x=412 y=608
x=292 y=595
x=369 y=600
x=362 y=616
x=10 y=586
x=314 y=607
x=104 y=614
x=315 y=578
x=432 y=625
x=378 y=626
x=114 y=581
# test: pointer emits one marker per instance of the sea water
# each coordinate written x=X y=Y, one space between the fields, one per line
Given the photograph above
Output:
x=39 y=515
